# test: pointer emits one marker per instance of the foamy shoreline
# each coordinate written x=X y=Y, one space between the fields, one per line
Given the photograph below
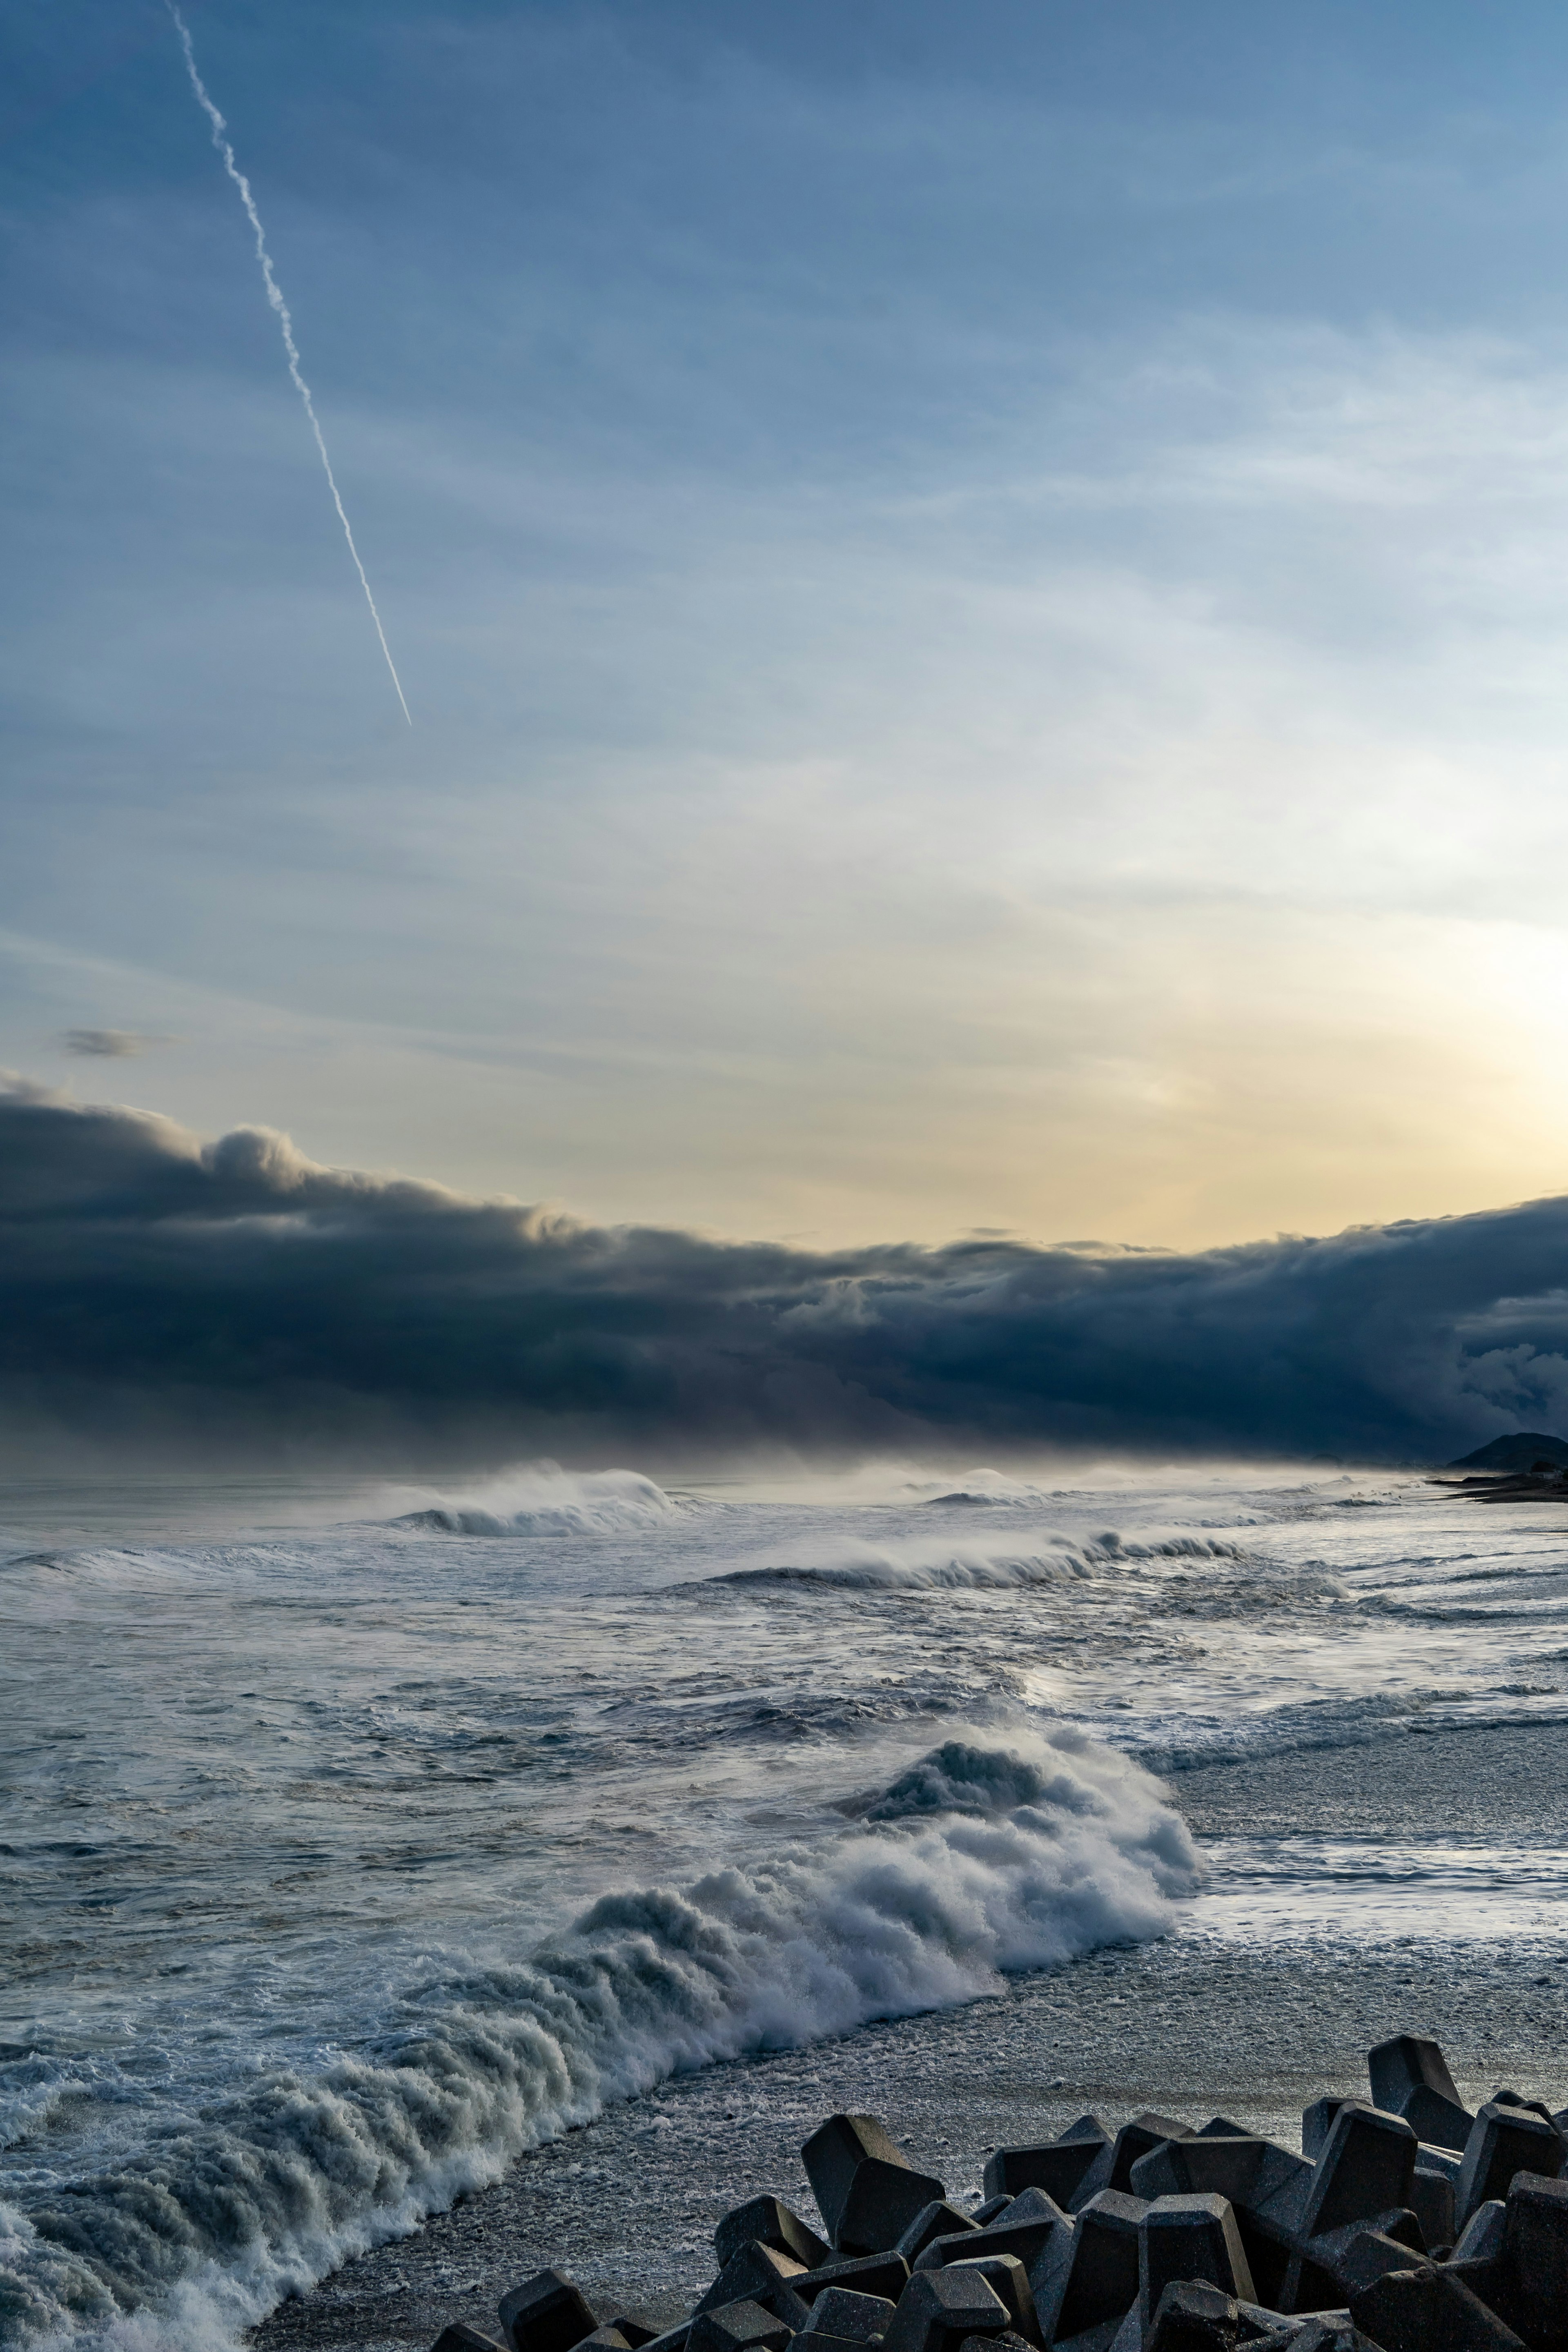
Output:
x=411 y=1849
x=1188 y=2025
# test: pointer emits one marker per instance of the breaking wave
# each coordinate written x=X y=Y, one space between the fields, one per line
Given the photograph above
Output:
x=971 y=1863
x=545 y=1500
x=989 y=1489
x=915 y=1568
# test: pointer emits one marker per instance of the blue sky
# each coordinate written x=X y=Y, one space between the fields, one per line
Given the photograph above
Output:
x=982 y=593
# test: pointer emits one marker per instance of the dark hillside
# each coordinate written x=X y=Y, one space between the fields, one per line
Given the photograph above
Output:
x=1521 y=1451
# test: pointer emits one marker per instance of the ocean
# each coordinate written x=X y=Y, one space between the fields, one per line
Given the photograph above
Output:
x=356 y=1841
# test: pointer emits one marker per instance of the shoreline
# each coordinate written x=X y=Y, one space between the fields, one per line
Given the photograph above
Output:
x=1191 y=2025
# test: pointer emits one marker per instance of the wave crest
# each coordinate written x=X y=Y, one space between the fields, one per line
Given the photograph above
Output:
x=545 y=1500
x=920 y=1567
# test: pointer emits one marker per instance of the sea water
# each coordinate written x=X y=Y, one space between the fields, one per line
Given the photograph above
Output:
x=354 y=1843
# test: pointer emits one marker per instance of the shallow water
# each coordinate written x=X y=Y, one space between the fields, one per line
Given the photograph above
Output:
x=334 y=1819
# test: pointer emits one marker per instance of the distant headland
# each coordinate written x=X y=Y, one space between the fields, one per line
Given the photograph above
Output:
x=1528 y=1466
x=1526 y=1449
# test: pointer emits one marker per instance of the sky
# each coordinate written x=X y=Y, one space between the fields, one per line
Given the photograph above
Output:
x=983 y=594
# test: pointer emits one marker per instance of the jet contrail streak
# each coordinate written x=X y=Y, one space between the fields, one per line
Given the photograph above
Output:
x=274 y=296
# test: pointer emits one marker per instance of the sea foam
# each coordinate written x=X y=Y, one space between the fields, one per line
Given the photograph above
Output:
x=972 y=1862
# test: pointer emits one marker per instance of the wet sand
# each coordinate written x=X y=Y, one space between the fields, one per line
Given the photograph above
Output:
x=1191 y=2026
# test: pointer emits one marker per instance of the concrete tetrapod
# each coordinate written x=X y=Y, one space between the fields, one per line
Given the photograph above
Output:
x=939 y=2308
x=1219 y=2237
x=1410 y=2077
x=766 y=2276
x=1276 y=2196
x=1429 y=2310
x=1091 y=2271
x=1436 y=2206
x=739 y=2327
x=1535 y=2250
x=857 y=2318
x=1533 y=2106
x=1056 y=2166
x=1318 y=2121
x=769 y=2222
x=1323 y=2274
x=937 y=2219
x=672 y=2340
x=545 y=2314
x=881 y=2203
x=1007 y=2278
x=1192 y=2237
x=834 y=2153
x=1480 y=2239
x=1366 y=2167
x=1524 y=2277
x=1024 y=2228
x=1504 y=2140
x=1299 y=2221
x=1112 y=2165
x=867 y=2273
x=1193 y=2317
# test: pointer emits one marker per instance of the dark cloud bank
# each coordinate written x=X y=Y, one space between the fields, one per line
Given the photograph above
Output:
x=153 y=1287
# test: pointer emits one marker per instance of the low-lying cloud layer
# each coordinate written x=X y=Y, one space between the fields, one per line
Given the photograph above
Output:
x=153 y=1282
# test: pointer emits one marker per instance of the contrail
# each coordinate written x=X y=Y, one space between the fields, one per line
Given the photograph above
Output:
x=274 y=296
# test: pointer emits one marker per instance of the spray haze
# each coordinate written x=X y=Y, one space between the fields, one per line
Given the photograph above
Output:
x=285 y=324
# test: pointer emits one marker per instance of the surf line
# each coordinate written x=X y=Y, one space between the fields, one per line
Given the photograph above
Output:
x=274 y=297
